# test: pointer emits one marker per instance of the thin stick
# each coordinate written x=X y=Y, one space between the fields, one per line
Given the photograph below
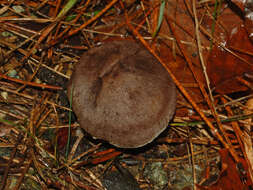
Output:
x=30 y=83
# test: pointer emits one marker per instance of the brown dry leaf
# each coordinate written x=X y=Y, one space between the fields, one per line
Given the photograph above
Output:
x=170 y=52
x=231 y=177
x=223 y=68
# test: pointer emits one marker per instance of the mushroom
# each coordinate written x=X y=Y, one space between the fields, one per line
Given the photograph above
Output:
x=121 y=94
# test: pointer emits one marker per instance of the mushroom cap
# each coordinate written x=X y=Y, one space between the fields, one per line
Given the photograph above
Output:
x=121 y=94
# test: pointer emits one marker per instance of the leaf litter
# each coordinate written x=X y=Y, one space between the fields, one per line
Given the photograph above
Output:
x=206 y=47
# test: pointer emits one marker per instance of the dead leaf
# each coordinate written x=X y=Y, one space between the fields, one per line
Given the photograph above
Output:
x=233 y=176
x=223 y=68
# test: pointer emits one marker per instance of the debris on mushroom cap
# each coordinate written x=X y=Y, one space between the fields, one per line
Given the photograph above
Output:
x=121 y=94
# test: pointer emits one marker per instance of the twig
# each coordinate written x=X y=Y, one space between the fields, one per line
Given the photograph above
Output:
x=30 y=83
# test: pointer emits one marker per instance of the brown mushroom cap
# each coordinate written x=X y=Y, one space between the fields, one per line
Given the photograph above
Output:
x=121 y=94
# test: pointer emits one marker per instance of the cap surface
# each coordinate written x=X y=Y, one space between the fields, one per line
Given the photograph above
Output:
x=121 y=94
